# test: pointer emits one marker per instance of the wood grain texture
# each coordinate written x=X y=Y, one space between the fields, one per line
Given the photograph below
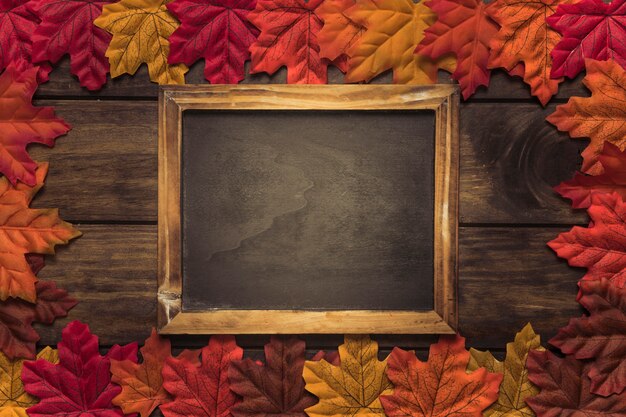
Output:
x=63 y=84
x=105 y=168
x=508 y=277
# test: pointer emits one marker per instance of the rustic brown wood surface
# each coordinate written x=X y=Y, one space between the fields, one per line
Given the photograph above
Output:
x=103 y=177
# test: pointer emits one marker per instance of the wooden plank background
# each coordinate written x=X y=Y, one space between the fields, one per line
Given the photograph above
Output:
x=103 y=178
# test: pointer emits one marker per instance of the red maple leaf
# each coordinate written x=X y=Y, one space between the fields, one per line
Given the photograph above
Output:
x=441 y=386
x=601 y=247
x=276 y=388
x=613 y=179
x=67 y=28
x=591 y=29
x=21 y=123
x=288 y=38
x=464 y=29
x=80 y=384
x=600 y=336
x=17 y=23
x=565 y=388
x=216 y=30
x=202 y=389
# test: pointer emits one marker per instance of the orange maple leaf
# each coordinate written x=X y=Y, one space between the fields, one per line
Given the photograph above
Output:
x=601 y=117
x=525 y=37
x=464 y=29
x=394 y=29
x=24 y=230
x=339 y=32
x=142 y=384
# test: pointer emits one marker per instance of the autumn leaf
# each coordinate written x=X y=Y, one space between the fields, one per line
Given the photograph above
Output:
x=515 y=386
x=601 y=117
x=600 y=336
x=288 y=37
x=339 y=33
x=565 y=389
x=17 y=336
x=217 y=31
x=526 y=38
x=13 y=399
x=202 y=389
x=17 y=23
x=352 y=387
x=67 y=28
x=276 y=388
x=25 y=230
x=591 y=29
x=394 y=29
x=601 y=247
x=613 y=179
x=463 y=29
x=142 y=384
x=441 y=386
x=140 y=30
x=80 y=384
x=21 y=124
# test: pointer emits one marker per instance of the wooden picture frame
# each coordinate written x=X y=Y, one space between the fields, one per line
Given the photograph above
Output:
x=174 y=100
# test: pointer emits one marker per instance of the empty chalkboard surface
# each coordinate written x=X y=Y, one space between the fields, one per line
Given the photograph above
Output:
x=283 y=209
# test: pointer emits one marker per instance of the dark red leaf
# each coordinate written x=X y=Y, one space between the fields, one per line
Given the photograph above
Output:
x=217 y=31
x=600 y=336
x=276 y=388
x=565 y=388
x=67 y=28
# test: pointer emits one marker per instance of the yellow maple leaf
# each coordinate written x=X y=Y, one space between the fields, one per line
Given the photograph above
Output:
x=394 y=29
x=515 y=387
x=352 y=388
x=13 y=399
x=141 y=29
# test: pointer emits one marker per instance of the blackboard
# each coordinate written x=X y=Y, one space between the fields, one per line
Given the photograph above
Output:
x=319 y=216
x=308 y=209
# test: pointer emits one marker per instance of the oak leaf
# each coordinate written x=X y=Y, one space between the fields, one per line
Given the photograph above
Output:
x=526 y=38
x=441 y=386
x=25 y=230
x=601 y=247
x=276 y=388
x=463 y=29
x=21 y=124
x=218 y=31
x=140 y=30
x=565 y=388
x=67 y=28
x=601 y=117
x=202 y=389
x=17 y=23
x=339 y=33
x=13 y=399
x=591 y=29
x=394 y=29
x=515 y=386
x=354 y=386
x=613 y=179
x=600 y=336
x=80 y=384
x=289 y=30
x=142 y=384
